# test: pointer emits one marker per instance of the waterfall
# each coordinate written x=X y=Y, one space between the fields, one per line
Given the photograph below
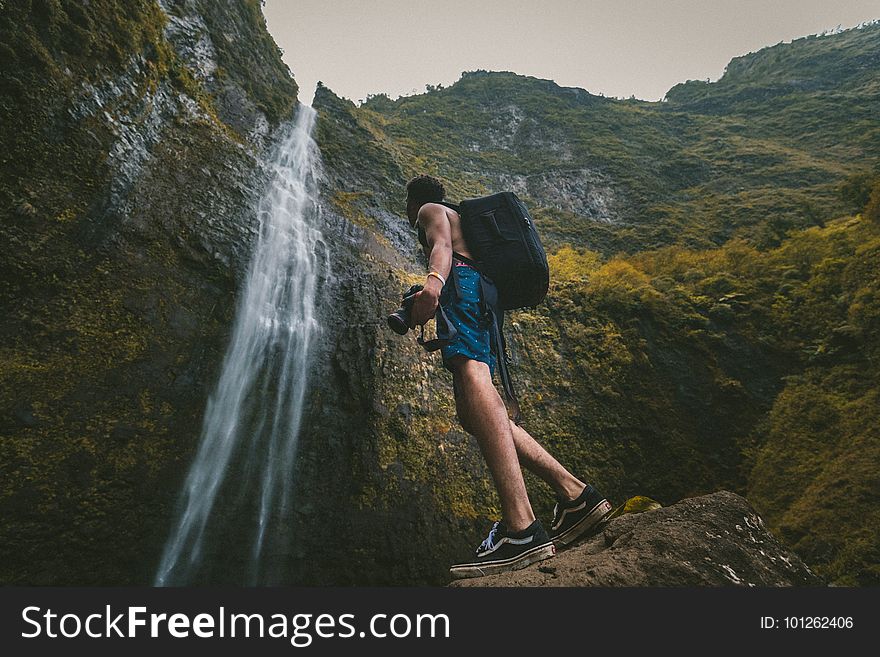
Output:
x=252 y=420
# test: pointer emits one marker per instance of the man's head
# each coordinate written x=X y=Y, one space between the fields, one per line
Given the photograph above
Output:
x=420 y=190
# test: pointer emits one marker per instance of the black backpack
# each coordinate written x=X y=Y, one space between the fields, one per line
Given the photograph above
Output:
x=501 y=236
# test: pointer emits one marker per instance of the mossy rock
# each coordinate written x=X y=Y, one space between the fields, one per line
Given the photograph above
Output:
x=635 y=504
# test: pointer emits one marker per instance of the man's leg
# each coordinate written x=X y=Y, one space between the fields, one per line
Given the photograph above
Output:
x=579 y=507
x=483 y=414
x=539 y=461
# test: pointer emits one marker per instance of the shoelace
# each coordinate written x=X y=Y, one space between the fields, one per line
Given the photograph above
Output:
x=489 y=542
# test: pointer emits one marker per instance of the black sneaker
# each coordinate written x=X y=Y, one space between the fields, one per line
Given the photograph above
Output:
x=575 y=518
x=503 y=551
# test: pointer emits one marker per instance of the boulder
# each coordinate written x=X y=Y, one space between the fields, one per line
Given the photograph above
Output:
x=712 y=540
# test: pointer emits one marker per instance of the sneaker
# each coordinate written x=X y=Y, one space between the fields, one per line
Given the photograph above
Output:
x=575 y=518
x=503 y=551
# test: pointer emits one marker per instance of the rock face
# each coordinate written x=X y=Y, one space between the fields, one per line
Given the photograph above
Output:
x=713 y=540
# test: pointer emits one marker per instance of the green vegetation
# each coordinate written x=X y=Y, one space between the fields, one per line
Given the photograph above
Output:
x=872 y=206
x=54 y=165
x=809 y=310
x=637 y=504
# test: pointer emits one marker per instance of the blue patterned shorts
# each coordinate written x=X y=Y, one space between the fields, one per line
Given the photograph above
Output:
x=473 y=340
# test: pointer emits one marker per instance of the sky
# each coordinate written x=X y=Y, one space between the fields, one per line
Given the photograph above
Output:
x=618 y=48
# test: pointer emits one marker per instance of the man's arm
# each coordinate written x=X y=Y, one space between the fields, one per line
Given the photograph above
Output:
x=439 y=237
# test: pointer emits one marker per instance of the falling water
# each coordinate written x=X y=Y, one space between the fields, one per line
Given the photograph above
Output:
x=252 y=420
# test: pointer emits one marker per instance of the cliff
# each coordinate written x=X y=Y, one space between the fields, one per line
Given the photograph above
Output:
x=133 y=137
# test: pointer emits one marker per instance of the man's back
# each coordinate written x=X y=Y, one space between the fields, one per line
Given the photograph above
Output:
x=458 y=244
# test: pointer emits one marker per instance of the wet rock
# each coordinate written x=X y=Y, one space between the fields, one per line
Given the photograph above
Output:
x=405 y=410
x=127 y=297
x=123 y=433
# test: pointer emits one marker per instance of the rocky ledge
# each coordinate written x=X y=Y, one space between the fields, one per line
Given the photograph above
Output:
x=713 y=540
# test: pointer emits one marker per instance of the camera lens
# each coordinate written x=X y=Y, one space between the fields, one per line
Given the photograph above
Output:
x=397 y=322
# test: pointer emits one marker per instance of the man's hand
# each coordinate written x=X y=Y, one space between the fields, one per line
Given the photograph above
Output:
x=425 y=303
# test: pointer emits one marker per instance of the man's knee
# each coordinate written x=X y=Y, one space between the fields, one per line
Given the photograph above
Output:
x=469 y=372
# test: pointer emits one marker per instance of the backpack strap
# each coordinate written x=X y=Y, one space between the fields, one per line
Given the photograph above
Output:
x=499 y=344
x=446 y=331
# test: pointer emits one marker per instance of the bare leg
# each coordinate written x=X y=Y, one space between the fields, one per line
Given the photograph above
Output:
x=483 y=414
x=539 y=461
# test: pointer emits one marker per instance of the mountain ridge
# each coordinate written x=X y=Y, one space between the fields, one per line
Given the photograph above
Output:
x=686 y=176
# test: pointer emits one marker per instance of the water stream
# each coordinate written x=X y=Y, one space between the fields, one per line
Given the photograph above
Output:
x=248 y=443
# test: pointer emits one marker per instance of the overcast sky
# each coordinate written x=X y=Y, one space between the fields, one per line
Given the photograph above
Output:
x=615 y=47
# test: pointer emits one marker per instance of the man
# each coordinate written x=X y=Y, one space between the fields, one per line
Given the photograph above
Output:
x=455 y=283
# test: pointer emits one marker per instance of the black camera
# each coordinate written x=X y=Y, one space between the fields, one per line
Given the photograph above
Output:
x=399 y=319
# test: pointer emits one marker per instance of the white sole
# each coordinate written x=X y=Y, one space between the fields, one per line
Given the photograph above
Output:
x=534 y=555
x=585 y=524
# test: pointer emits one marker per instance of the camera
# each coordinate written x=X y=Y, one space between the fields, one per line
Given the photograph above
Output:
x=399 y=319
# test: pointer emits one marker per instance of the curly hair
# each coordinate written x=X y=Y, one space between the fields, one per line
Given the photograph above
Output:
x=425 y=189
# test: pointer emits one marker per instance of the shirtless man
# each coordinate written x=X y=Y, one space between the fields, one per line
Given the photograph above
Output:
x=518 y=539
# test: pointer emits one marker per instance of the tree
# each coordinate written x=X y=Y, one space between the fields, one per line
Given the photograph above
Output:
x=856 y=190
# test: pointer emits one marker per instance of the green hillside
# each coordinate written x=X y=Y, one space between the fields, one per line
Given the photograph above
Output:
x=756 y=153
